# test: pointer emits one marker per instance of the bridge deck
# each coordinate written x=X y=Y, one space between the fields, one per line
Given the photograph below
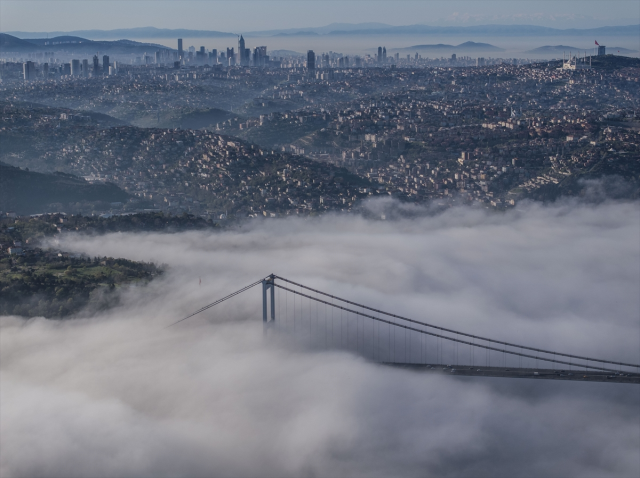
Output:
x=541 y=374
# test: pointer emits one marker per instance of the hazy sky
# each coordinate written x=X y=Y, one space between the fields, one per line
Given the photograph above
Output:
x=247 y=15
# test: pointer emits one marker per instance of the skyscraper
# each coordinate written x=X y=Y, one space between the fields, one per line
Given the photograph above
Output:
x=241 y=51
x=379 y=54
x=85 y=68
x=311 y=60
x=29 y=70
x=105 y=64
x=75 y=67
x=201 y=55
x=180 y=50
x=384 y=54
x=96 y=65
x=260 y=57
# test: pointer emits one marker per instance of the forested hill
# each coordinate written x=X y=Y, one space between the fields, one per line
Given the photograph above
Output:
x=28 y=192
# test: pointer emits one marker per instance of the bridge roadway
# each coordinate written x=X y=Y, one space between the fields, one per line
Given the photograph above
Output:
x=540 y=374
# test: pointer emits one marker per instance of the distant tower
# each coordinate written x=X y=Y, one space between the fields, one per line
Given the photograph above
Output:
x=180 y=50
x=85 y=68
x=384 y=54
x=311 y=60
x=602 y=50
x=260 y=57
x=379 y=54
x=105 y=64
x=29 y=70
x=75 y=67
x=241 y=51
x=96 y=65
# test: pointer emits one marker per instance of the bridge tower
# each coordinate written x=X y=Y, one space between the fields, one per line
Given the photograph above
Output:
x=268 y=288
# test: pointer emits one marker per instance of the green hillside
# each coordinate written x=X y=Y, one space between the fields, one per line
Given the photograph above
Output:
x=27 y=192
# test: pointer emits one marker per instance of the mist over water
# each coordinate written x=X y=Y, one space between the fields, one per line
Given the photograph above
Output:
x=121 y=395
x=514 y=47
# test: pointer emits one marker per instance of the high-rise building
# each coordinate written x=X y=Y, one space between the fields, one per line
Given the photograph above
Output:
x=454 y=58
x=66 y=69
x=201 y=55
x=260 y=57
x=85 y=68
x=602 y=50
x=29 y=70
x=379 y=54
x=75 y=67
x=96 y=65
x=45 y=70
x=180 y=50
x=105 y=64
x=384 y=54
x=311 y=60
x=158 y=57
x=214 y=56
x=230 y=56
x=242 y=51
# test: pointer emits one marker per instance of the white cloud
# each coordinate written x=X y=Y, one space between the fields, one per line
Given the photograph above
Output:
x=119 y=395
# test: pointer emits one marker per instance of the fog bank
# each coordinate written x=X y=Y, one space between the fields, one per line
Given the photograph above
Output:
x=120 y=395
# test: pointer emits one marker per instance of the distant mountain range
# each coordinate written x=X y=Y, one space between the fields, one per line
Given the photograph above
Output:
x=558 y=49
x=494 y=30
x=440 y=47
x=130 y=33
x=346 y=29
x=75 y=44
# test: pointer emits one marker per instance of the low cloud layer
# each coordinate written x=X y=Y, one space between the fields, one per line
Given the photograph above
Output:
x=120 y=395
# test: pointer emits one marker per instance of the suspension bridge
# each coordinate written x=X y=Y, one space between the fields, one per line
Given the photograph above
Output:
x=324 y=321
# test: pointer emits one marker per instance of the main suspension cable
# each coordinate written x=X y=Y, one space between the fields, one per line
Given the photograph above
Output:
x=233 y=294
x=456 y=331
x=406 y=327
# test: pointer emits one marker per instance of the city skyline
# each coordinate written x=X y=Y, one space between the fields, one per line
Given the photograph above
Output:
x=402 y=242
